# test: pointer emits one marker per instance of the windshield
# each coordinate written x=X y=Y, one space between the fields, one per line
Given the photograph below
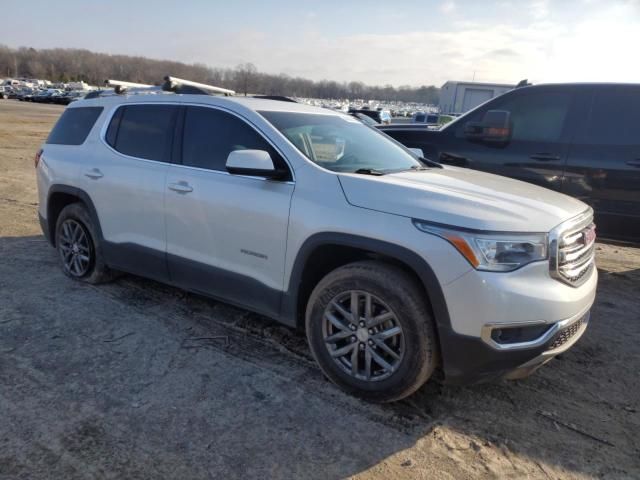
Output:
x=341 y=143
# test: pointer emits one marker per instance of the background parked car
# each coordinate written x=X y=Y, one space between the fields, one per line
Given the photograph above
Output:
x=380 y=116
x=4 y=93
x=423 y=117
x=580 y=139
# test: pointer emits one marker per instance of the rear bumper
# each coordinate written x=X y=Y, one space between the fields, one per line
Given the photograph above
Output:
x=472 y=360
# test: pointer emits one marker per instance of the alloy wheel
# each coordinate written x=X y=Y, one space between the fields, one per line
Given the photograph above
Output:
x=363 y=335
x=75 y=248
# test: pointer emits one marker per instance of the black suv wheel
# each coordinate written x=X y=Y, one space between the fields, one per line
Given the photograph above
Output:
x=370 y=330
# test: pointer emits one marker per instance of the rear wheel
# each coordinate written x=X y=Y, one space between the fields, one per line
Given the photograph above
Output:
x=370 y=330
x=79 y=252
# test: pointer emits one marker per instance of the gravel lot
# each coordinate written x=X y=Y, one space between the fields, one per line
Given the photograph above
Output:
x=138 y=380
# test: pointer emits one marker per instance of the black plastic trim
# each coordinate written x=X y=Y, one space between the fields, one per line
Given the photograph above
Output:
x=404 y=255
x=80 y=194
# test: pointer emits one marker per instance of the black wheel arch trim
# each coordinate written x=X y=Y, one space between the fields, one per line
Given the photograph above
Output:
x=82 y=196
x=408 y=257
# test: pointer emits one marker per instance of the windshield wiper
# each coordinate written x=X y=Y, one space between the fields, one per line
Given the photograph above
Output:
x=369 y=171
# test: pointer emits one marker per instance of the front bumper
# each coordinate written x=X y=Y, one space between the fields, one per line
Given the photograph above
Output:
x=480 y=304
x=472 y=360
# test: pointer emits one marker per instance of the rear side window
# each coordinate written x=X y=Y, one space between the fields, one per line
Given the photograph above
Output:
x=143 y=131
x=210 y=135
x=615 y=118
x=74 y=126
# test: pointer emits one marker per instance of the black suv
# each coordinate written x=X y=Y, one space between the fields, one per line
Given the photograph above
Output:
x=579 y=139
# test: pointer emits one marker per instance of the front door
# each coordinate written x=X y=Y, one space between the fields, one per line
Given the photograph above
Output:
x=538 y=147
x=226 y=234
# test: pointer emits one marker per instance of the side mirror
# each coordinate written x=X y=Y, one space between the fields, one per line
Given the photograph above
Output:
x=495 y=127
x=418 y=152
x=254 y=163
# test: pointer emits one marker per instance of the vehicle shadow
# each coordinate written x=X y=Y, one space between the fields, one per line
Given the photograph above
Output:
x=135 y=379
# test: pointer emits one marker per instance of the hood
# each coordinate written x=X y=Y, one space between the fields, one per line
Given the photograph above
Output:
x=463 y=198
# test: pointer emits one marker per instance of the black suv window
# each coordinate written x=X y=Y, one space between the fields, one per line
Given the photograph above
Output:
x=143 y=131
x=615 y=118
x=74 y=126
x=211 y=134
x=538 y=116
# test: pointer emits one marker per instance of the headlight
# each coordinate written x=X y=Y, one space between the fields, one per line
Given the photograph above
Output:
x=496 y=252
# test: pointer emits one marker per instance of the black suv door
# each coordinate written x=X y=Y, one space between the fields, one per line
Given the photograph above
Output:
x=541 y=121
x=603 y=168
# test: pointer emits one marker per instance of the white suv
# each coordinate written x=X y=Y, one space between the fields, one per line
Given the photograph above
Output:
x=393 y=264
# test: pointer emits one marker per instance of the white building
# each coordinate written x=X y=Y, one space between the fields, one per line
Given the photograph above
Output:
x=460 y=97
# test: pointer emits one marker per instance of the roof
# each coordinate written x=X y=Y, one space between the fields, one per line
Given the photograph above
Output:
x=479 y=84
x=255 y=104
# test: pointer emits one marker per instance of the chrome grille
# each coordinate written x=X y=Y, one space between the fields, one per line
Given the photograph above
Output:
x=572 y=249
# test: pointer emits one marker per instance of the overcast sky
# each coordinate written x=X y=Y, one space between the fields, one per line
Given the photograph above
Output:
x=398 y=42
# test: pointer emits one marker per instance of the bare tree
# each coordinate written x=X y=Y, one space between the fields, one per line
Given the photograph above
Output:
x=245 y=77
x=60 y=64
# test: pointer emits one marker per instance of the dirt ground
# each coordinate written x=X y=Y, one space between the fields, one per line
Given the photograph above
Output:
x=138 y=380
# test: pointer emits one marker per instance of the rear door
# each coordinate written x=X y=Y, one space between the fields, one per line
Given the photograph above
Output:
x=126 y=181
x=226 y=234
x=541 y=120
x=603 y=168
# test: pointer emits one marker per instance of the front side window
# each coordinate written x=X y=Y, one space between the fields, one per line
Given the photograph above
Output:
x=143 y=131
x=535 y=116
x=341 y=143
x=74 y=126
x=210 y=135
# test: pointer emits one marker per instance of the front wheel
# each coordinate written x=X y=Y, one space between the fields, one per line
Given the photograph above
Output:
x=370 y=330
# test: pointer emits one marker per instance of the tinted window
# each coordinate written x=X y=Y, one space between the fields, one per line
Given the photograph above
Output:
x=615 y=118
x=210 y=135
x=145 y=131
x=74 y=125
x=537 y=117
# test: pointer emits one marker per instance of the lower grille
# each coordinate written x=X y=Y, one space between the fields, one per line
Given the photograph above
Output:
x=567 y=334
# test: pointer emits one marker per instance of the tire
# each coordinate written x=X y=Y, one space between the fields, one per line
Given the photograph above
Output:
x=394 y=295
x=76 y=236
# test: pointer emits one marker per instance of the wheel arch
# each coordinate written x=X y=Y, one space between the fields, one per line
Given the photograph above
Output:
x=323 y=252
x=58 y=197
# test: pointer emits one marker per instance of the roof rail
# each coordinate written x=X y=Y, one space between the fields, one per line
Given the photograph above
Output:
x=171 y=84
x=179 y=85
x=120 y=87
x=280 y=98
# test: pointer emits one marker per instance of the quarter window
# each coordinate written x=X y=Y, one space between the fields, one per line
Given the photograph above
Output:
x=211 y=134
x=74 y=126
x=143 y=131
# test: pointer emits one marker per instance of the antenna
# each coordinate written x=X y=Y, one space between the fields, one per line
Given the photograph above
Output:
x=179 y=85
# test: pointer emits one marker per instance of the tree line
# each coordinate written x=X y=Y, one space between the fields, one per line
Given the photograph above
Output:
x=65 y=65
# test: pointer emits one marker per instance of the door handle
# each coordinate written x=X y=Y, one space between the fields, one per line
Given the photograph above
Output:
x=94 y=174
x=634 y=163
x=181 y=187
x=545 y=157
